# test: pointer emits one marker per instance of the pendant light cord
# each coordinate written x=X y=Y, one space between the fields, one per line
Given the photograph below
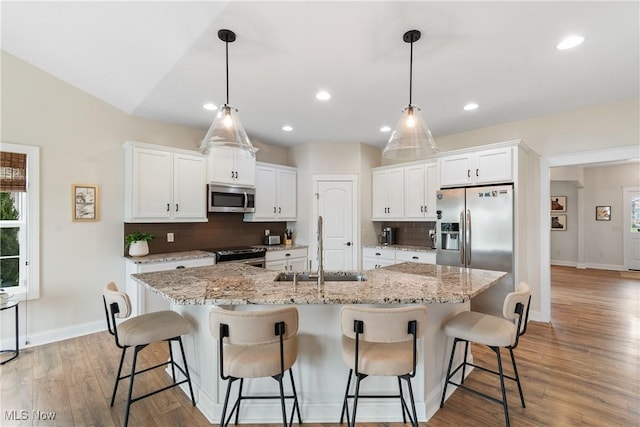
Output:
x=410 y=73
x=226 y=47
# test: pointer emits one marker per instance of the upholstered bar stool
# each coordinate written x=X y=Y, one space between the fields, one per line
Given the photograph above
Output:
x=494 y=332
x=381 y=342
x=140 y=331
x=256 y=344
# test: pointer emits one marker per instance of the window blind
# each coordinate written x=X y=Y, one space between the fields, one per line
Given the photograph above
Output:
x=13 y=171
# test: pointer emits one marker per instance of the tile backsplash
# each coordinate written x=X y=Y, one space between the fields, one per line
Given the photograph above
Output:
x=409 y=233
x=224 y=230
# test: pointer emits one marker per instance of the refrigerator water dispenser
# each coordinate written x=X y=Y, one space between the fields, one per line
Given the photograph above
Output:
x=450 y=233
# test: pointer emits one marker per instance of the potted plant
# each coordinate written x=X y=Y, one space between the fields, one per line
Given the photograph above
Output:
x=137 y=242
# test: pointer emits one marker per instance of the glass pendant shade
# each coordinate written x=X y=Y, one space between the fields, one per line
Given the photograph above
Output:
x=411 y=139
x=227 y=131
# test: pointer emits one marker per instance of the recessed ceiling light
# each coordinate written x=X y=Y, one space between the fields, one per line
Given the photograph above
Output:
x=385 y=129
x=287 y=128
x=470 y=106
x=209 y=106
x=570 y=42
x=323 y=95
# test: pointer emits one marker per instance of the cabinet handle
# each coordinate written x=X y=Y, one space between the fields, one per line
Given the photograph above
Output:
x=274 y=209
x=348 y=243
x=414 y=257
x=232 y=175
x=421 y=208
x=180 y=267
x=177 y=207
x=468 y=173
x=287 y=254
x=279 y=210
x=378 y=254
x=425 y=209
x=236 y=174
x=477 y=172
x=168 y=207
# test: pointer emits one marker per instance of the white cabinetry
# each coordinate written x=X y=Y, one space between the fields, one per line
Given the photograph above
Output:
x=287 y=260
x=374 y=257
x=231 y=166
x=388 y=194
x=415 y=256
x=420 y=186
x=474 y=168
x=164 y=184
x=377 y=257
x=142 y=299
x=276 y=188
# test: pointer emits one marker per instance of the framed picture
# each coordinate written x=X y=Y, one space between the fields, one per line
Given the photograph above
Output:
x=558 y=222
x=84 y=202
x=558 y=204
x=603 y=213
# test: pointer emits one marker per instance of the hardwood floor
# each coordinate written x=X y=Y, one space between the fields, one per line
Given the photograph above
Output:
x=581 y=369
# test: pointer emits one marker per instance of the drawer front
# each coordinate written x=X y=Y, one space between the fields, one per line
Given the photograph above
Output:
x=378 y=253
x=172 y=265
x=286 y=254
x=416 y=256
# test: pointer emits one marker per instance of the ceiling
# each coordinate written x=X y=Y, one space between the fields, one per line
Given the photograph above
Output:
x=163 y=60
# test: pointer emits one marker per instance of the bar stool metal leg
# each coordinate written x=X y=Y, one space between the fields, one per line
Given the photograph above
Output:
x=515 y=370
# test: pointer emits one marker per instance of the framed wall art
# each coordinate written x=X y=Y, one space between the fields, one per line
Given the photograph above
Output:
x=84 y=202
x=603 y=213
x=558 y=222
x=558 y=204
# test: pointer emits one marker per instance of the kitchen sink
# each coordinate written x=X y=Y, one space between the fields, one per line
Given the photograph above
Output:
x=329 y=276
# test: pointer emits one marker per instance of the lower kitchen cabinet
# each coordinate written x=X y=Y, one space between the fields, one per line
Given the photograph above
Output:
x=374 y=257
x=145 y=301
x=287 y=260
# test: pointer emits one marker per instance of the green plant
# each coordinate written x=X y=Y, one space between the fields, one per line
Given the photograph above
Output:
x=137 y=236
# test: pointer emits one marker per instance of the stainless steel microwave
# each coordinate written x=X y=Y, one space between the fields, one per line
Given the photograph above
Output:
x=230 y=198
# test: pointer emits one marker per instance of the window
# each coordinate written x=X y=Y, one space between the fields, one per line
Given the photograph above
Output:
x=19 y=212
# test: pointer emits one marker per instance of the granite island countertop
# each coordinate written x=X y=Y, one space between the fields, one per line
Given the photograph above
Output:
x=234 y=284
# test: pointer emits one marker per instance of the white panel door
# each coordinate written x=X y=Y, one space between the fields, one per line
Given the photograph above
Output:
x=189 y=179
x=152 y=184
x=287 y=194
x=266 y=187
x=414 y=191
x=493 y=166
x=335 y=205
x=632 y=228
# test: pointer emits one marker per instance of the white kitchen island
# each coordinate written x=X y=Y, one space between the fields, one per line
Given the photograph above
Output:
x=319 y=372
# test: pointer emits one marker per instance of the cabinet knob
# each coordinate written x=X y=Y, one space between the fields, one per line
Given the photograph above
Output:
x=348 y=243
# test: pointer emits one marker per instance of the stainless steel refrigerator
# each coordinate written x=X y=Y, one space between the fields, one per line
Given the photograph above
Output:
x=475 y=230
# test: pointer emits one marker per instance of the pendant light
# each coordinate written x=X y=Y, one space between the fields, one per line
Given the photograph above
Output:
x=226 y=129
x=411 y=139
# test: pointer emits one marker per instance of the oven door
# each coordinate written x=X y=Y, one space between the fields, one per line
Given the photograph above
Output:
x=255 y=262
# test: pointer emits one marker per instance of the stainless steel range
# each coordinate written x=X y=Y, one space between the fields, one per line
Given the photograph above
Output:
x=245 y=255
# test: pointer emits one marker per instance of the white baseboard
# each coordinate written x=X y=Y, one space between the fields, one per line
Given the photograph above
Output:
x=54 y=335
x=563 y=263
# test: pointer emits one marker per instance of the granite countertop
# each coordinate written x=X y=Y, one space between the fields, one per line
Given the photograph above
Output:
x=232 y=284
x=403 y=247
x=273 y=248
x=170 y=256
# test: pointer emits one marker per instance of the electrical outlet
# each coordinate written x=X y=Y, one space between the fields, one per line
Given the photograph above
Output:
x=170 y=237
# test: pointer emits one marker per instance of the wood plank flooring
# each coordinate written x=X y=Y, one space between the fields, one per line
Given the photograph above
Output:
x=582 y=369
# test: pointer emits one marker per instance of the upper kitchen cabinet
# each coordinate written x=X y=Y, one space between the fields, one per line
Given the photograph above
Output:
x=489 y=166
x=231 y=166
x=276 y=198
x=420 y=186
x=164 y=184
x=388 y=193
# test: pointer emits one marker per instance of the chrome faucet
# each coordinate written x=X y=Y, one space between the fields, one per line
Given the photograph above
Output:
x=320 y=250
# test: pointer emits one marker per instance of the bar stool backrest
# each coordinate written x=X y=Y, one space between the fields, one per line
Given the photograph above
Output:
x=253 y=327
x=384 y=325
x=522 y=295
x=113 y=295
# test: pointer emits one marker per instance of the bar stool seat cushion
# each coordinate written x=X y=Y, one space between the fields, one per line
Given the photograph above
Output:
x=260 y=360
x=482 y=329
x=152 y=327
x=379 y=359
